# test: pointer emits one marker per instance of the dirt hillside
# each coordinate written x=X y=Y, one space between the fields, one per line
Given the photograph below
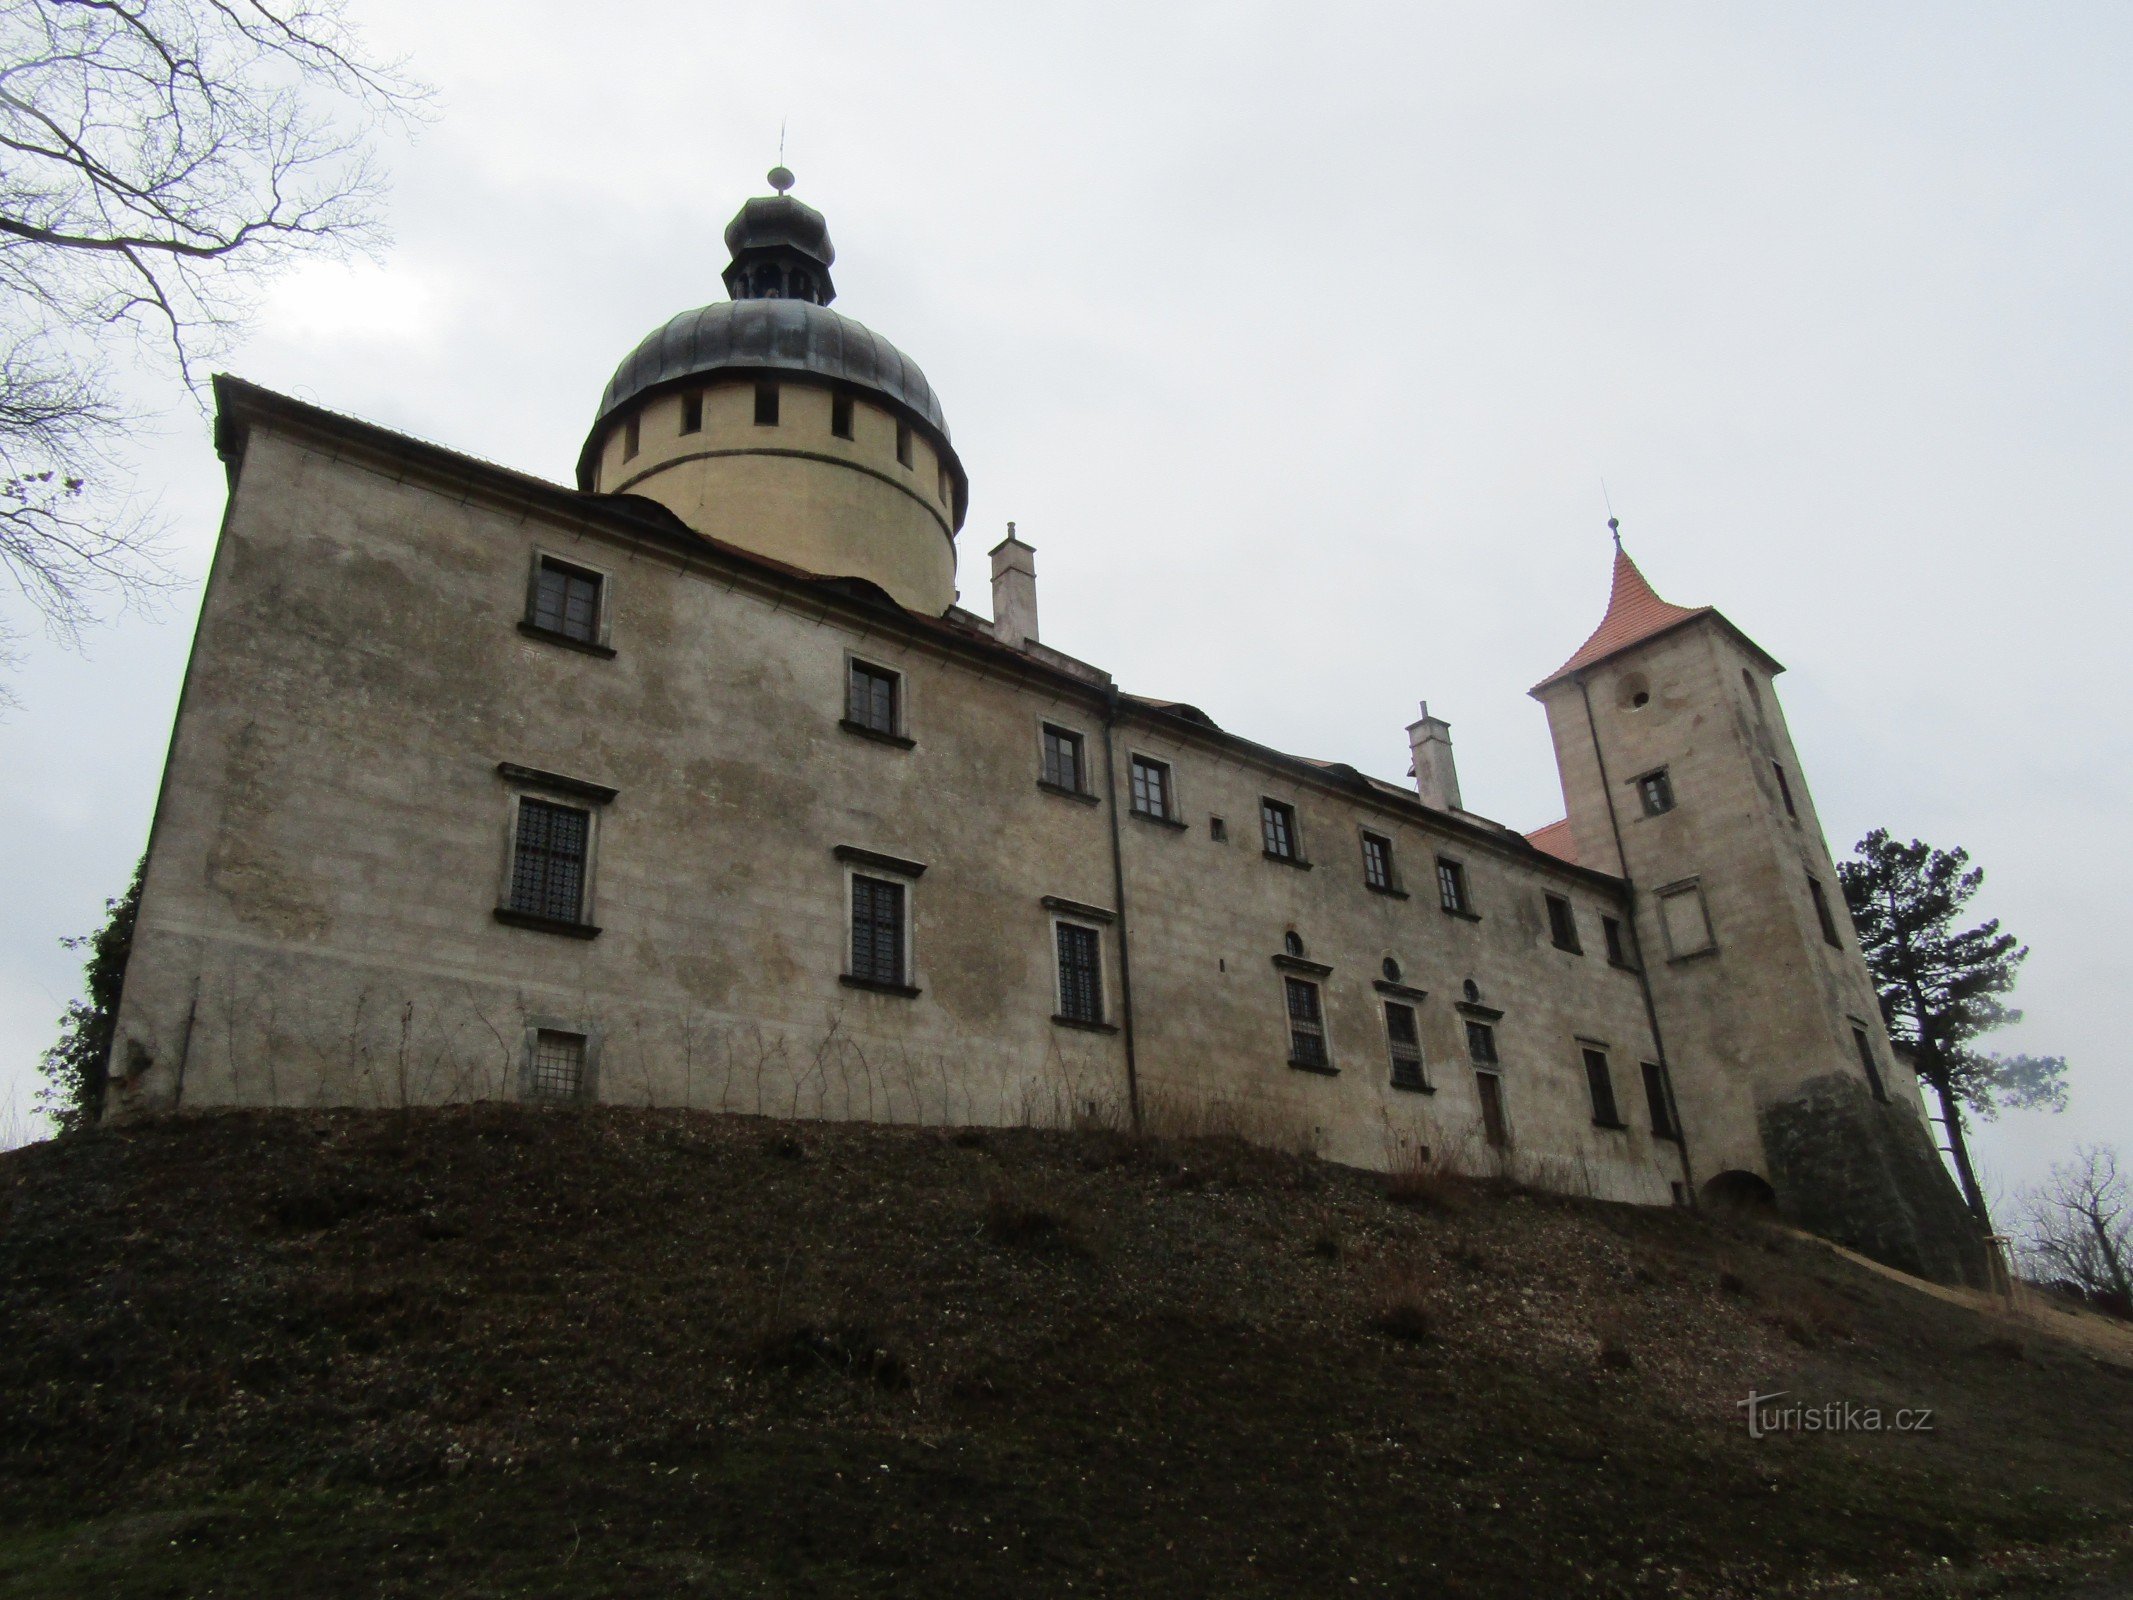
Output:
x=494 y=1351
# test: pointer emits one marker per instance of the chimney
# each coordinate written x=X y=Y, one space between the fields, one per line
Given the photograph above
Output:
x=1014 y=591
x=1436 y=778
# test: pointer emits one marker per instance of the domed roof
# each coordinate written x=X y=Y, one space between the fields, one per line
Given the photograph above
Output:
x=770 y=220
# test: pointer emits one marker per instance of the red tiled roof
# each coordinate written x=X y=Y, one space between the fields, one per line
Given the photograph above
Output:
x=1634 y=614
x=1555 y=840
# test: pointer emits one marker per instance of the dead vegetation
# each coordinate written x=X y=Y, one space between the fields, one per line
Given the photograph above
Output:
x=495 y=1350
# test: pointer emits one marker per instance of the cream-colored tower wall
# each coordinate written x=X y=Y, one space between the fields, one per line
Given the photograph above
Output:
x=318 y=923
x=794 y=490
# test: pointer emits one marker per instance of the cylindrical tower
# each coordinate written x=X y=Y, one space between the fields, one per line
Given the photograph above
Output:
x=779 y=425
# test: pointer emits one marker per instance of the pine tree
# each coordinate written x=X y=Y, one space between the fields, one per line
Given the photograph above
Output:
x=75 y=1068
x=1940 y=986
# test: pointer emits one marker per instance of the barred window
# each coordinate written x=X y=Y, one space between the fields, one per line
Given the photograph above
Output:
x=766 y=405
x=1656 y=791
x=558 y=1065
x=870 y=698
x=877 y=930
x=1062 y=759
x=841 y=415
x=1081 y=993
x=1277 y=829
x=1481 y=1043
x=1377 y=861
x=548 y=860
x=1602 y=1084
x=1562 y=924
x=1406 y=1046
x=1655 y=1096
x=1307 y=1024
x=566 y=600
x=1151 y=787
x=1451 y=887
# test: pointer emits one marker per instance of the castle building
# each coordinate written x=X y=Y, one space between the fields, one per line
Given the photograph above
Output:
x=693 y=785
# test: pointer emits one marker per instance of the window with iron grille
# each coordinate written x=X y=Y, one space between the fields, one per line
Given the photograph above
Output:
x=841 y=415
x=1307 y=1024
x=1617 y=949
x=548 y=860
x=1602 y=1084
x=1081 y=991
x=1481 y=1043
x=1277 y=829
x=692 y=413
x=1451 y=887
x=1062 y=759
x=766 y=405
x=870 y=697
x=1656 y=791
x=903 y=443
x=558 y=1065
x=566 y=600
x=1562 y=924
x=1655 y=1096
x=877 y=930
x=1151 y=787
x=1784 y=789
x=1866 y=1060
x=1406 y=1042
x=1377 y=861
x=1823 y=914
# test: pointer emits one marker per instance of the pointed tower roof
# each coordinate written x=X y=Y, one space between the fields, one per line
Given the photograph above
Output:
x=1635 y=613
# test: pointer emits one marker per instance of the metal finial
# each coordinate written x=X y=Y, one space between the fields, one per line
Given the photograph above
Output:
x=1614 y=526
x=781 y=178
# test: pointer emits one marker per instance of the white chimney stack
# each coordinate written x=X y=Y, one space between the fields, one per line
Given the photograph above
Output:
x=1014 y=591
x=1436 y=778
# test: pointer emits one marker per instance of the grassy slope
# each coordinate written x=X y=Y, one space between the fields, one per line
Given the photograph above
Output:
x=491 y=1351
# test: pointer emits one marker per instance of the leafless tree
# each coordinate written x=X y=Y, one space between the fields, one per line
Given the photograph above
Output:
x=159 y=161
x=2081 y=1226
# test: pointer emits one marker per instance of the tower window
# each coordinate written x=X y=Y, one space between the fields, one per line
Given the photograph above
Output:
x=1081 y=992
x=1151 y=788
x=548 y=852
x=841 y=415
x=629 y=439
x=1451 y=888
x=903 y=442
x=877 y=930
x=1656 y=791
x=1867 y=1061
x=1784 y=789
x=1655 y=1096
x=1217 y=830
x=692 y=413
x=766 y=405
x=871 y=695
x=1562 y=924
x=1277 y=829
x=1686 y=920
x=1823 y=914
x=1481 y=1044
x=1405 y=1042
x=1062 y=759
x=942 y=486
x=566 y=601
x=1377 y=862
x=1601 y=1083
x=558 y=1066
x=1307 y=1025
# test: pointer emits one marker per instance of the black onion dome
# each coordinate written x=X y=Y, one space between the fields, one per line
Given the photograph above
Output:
x=773 y=220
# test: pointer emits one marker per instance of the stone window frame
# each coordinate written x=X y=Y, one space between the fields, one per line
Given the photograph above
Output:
x=1659 y=1100
x=1273 y=811
x=1614 y=933
x=1310 y=976
x=1094 y=920
x=1680 y=887
x=1455 y=889
x=899 y=734
x=1495 y=1076
x=1391 y=887
x=1656 y=784
x=858 y=862
x=1174 y=815
x=593 y=1035
x=600 y=644
x=1589 y=1052
x=1562 y=922
x=552 y=788
x=1390 y=995
x=1048 y=725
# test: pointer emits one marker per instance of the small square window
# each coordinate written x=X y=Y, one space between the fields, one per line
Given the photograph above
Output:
x=1081 y=991
x=1377 y=861
x=903 y=443
x=1406 y=1044
x=1063 y=759
x=1307 y=1024
x=548 y=856
x=1656 y=791
x=841 y=415
x=1601 y=1083
x=1562 y=924
x=1277 y=829
x=566 y=600
x=1617 y=947
x=558 y=1066
x=1777 y=769
x=692 y=413
x=877 y=930
x=630 y=439
x=1217 y=830
x=1481 y=1043
x=1151 y=787
x=871 y=697
x=1659 y=1101
x=1823 y=914
x=1451 y=888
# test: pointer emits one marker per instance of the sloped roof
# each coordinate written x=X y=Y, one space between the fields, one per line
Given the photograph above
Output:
x=1555 y=840
x=1634 y=613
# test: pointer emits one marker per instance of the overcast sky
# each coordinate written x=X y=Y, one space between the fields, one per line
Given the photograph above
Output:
x=1299 y=340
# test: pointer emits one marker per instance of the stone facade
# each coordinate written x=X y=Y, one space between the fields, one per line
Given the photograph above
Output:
x=427 y=692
